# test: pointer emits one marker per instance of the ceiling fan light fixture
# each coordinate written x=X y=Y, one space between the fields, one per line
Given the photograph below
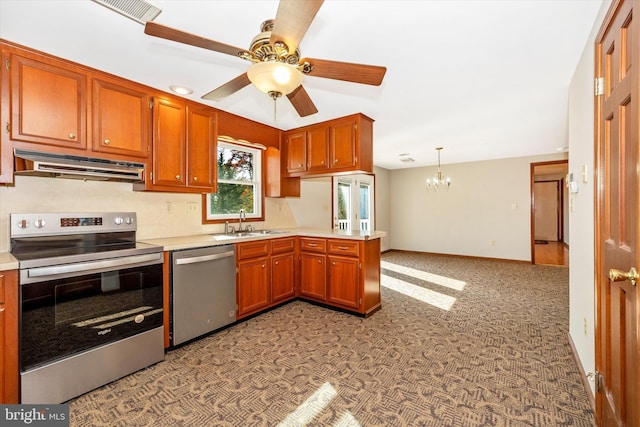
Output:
x=273 y=76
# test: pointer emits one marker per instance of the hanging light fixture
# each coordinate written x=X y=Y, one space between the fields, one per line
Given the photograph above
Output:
x=275 y=79
x=438 y=179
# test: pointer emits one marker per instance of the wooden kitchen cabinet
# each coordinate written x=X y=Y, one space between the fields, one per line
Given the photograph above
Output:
x=313 y=268
x=48 y=103
x=184 y=149
x=121 y=119
x=9 y=337
x=252 y=286
x=282 y=269
x=335 y=146
x=275 y=184
x=253 y=282
x=343 y=273
x=6 y=152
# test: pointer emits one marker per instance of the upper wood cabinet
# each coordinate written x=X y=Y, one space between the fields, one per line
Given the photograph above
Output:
x=184 y=149
x=48 y=103
x=335 y=146
x=53 y=105
x=6 y=154
x=121 y=119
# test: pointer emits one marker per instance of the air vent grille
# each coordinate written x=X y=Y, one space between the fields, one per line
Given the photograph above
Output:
x=138 y=10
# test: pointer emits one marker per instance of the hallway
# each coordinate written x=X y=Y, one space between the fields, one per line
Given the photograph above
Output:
x=552 y=253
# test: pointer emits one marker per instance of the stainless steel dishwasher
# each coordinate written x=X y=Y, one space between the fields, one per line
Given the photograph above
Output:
x=203 y=291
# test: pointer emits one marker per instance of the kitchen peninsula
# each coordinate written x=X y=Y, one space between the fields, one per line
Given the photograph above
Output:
x=335 y=268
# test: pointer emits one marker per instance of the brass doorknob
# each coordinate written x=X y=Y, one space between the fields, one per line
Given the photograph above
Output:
x=619 y=275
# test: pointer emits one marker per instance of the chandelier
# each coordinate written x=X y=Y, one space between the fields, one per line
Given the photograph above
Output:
x=438 y=179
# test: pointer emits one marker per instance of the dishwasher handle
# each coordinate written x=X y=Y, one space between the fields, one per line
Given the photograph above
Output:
x=204 y=258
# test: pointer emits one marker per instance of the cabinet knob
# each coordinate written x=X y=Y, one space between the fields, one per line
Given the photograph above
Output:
x=195 y=178
x=177 y=176
x=335 y=161
x=277 y=262
x=319 y=261
x=106 y=142
x=300 y=165
x=72 y=136
x=262 y=266
x=333 y=263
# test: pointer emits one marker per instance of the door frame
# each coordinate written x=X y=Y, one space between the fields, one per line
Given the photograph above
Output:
x=560 y=204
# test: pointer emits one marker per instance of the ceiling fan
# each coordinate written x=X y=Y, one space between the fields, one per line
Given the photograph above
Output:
x=277 y=68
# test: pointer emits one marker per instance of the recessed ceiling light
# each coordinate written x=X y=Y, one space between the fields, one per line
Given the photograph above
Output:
x=181 y=90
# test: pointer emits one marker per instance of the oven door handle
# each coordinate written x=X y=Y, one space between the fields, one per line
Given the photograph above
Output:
x=88 y=267
x=204 y=258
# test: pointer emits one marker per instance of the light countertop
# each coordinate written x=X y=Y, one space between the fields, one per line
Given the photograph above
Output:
x=8 y=262
x=202 y=240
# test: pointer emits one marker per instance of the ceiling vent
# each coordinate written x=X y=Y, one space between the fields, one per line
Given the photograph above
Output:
x=138 y=10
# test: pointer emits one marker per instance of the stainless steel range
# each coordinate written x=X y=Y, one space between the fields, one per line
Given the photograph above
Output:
x=91 y=304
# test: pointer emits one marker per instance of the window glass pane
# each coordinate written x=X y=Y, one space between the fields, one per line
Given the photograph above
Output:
x=344 y=205
x=230 y=198
x=234 y=164
x=365 y=192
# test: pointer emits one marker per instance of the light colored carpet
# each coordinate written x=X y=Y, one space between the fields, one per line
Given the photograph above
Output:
x=458 y=342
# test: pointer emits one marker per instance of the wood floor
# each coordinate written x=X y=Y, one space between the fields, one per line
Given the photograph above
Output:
x=552 y=253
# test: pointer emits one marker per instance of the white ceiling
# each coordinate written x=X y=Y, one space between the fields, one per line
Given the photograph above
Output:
x=484 y=79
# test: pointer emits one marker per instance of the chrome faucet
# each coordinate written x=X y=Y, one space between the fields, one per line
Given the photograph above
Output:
x=242 y=216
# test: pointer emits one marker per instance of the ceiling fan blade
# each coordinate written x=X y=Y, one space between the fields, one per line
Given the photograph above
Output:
x=302 y=102
x=292 y=21
x=158 y=30
x=356 y=73
x=228 y=88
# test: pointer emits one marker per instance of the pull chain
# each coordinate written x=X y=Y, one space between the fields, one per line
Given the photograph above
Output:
x=274 y=95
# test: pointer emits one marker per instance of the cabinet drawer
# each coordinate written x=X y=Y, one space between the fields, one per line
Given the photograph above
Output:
x=313 y=245
x=252 y=249
x=344 y=247
x=283 y=245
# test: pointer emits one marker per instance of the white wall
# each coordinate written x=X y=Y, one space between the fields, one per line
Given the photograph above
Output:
x=485 y=213
x=582 y=204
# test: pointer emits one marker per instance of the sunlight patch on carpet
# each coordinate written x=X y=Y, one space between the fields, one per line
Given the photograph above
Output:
x=436 y=299
x=311 y=407
x=447 y=282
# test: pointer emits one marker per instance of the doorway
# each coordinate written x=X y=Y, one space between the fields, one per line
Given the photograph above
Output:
x=549 y=219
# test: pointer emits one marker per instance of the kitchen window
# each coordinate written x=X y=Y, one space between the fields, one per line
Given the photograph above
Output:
x=353 y=203
x=239 y=183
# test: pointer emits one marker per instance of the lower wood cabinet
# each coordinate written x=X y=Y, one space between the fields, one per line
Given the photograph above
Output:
x=252 y=286
x=9 y=336
x=265 y=274
x=313 y=276
x=342 y=273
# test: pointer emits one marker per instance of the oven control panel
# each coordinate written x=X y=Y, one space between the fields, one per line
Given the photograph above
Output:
x=47 y=224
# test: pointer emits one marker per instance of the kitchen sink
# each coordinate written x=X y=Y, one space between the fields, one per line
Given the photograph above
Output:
x=237 y=235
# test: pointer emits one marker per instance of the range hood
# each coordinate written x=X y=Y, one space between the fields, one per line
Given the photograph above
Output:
x=64 y=166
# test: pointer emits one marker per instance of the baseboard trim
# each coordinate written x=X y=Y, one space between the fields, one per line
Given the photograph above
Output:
x=517 y=261
x=583 y=375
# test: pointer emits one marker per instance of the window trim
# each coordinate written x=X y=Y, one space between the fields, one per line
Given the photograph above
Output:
x=258 y=184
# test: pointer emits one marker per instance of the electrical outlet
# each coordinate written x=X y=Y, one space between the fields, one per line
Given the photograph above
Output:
x=192 y=207
x=492 y=242
x=586 y=326
x=169 y=207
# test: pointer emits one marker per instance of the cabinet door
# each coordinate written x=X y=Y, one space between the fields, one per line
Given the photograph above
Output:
x=48 y=103
x=9 y=337
x=317 y=149
x=343 y=284
x=169 y=143
x=282 y=277
x=252 y=286
x=342 y=143
x=313 y=276
x=6 y=155
x=121 y=116
x=296 y=151
x=202 y=143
